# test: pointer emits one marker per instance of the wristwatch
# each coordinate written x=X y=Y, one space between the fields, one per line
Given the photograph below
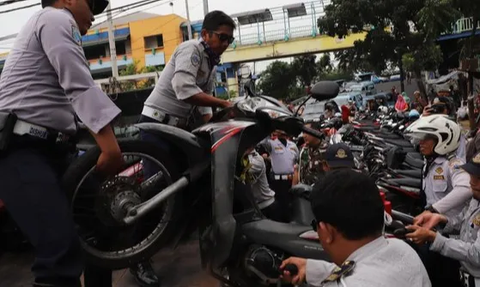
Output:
x=431 y=209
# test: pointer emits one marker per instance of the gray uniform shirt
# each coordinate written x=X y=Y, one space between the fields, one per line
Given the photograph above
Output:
x=382 y=262
x=283 y=157
x=46 y=79
x=187 y=73
x=466 y=249
x=446 y=186
x=258 y=171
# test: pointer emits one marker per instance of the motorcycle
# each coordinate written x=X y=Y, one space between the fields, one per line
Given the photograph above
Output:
x=197 y=183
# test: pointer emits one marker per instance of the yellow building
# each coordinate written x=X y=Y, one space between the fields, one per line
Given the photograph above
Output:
x=149 y=39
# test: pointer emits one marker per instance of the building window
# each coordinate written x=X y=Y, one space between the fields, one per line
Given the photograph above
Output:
x=95 y=52
x=120 y=47
x=153 y=42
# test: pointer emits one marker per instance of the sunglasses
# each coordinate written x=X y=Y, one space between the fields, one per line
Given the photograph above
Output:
x=91 y=4
x=224 y=37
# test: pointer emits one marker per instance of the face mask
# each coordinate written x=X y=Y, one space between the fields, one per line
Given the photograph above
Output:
x=212 y=56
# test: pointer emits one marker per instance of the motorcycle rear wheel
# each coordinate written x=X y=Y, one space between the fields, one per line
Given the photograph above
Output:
x=151 y=243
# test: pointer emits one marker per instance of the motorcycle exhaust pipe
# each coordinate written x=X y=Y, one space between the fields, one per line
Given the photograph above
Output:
x=134 y=213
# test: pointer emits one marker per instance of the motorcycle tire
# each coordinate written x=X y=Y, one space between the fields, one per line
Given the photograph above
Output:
x=82 y=165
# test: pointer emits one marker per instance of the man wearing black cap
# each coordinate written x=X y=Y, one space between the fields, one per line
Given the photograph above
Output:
x=338 y=156
x=45 y=86
x=466 y=249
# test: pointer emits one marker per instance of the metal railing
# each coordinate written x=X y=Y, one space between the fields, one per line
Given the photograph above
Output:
x=464 y=25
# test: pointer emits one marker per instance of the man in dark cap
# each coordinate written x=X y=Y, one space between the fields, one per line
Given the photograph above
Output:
x=338 y=156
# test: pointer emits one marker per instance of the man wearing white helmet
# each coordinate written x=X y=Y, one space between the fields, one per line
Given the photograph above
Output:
x=446 y=187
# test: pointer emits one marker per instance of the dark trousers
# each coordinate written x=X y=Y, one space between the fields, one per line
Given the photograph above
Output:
x=282 y=196
x=31 y=191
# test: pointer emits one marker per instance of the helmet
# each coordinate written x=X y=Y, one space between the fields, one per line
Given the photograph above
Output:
x=413 y=114
x=445 y=130
x=383 y=110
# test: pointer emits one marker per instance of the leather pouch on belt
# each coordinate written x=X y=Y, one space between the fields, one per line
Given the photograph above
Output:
x=7 y=124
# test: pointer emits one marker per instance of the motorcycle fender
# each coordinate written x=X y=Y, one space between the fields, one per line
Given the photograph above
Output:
x=194 y=148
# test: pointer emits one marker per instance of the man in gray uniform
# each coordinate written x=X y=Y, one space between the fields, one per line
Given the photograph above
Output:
x=349 y=220
x=185 y=89
x=466 y=249
x=44 y=85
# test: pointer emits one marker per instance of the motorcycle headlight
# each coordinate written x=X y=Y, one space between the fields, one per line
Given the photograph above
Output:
x=273 y=113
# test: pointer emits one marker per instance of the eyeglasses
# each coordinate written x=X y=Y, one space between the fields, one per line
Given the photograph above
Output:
x=224 y=37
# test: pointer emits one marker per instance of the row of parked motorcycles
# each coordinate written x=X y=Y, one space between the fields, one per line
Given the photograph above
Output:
x=163 y=196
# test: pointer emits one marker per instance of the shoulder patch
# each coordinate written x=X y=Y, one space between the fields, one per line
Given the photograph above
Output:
x=455 y=163
x=342 y=271
x=195 y=59
x=476 y=220
x=76 y=35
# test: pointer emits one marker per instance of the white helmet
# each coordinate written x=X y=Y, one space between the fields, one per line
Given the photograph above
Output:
x=383 y=110
x=445 y=130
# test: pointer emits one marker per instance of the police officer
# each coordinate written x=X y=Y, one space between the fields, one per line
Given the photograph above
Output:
x=349 y=220
x=283 y=156
x=46 y=83
x=184 y=91
x=310 y=164
x=466 y=249
x=445 y=186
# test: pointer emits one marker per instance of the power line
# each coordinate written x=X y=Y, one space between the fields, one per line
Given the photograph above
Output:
x=19 y=8
x=10 y=2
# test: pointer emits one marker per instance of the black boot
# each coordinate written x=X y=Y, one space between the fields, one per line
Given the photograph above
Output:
x=144 y=274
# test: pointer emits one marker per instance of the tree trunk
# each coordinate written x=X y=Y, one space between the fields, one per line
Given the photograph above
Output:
x=402 y=74
x=421 y=85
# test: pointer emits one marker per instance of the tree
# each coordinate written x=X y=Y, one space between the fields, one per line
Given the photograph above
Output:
x=132 y=69
x=394 y=29
x=279 y=81
x=305 y=68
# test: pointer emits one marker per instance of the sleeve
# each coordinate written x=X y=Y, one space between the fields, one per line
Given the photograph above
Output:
x=468 y=252
x=187 y=63
x=317 y=271
x=455 y=223
x=460 y=193
x=61 y=42
x=266 y=144
x=205 y=110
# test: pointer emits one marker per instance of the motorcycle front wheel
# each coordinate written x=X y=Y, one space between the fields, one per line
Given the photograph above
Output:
x=99 y=205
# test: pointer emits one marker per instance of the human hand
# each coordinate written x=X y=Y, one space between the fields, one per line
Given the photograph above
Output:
x=420 y=235
x=428 y=219
x=109 y=164
x=298 y=278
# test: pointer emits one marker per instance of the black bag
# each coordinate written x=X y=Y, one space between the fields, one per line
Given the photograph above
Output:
x=7 y=124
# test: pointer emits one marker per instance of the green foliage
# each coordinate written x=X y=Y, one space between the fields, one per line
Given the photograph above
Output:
x=278 y=81
x=305 y=69
x=132 y=69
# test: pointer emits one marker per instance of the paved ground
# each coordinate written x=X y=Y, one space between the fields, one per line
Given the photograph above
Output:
x=178 y=268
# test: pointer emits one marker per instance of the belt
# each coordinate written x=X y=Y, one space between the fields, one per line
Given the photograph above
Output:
x=163 y=117
x=283 y=176
x=22 y=128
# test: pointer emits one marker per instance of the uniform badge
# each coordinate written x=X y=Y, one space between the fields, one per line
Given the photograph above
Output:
x=438 y=177
x=344 y=270
x=476 y=220
x=455 y=163
x=76 y=35
x=341 y=153
x=439 y=170
x=195 y=59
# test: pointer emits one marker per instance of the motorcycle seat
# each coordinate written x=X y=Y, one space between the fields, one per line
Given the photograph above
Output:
x=398 y=142
x=301 y=190
x=286 y=237
x=411 y=160
x=413 y=173
x=415 y=155
x=406 y=181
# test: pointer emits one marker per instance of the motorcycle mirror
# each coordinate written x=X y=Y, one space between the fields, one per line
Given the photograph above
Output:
x=325 y=90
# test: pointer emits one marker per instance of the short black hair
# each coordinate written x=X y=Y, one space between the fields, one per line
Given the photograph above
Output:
x=349 y=201
x=48 y=3
x=215 y=19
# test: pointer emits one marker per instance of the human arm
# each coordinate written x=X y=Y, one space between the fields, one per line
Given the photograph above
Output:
x=184 y=82
x=312 y=271
x=457 y=249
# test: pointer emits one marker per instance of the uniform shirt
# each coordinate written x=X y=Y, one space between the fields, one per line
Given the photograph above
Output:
x=310 y=164
x=187 y=73
x=46 y=79
x=258 y=179
x=283 y=157
x=382 y=262
x=466 y=249
x=446 y=186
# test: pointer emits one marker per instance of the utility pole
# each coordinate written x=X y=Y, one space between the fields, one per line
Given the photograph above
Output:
x=189 y=25
x=111 y=42
x=205 y=7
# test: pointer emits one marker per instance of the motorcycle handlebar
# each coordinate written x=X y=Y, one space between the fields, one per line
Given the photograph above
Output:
x=313 y=132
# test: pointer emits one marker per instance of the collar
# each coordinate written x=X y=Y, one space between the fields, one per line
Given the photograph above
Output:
x=213 y=58
x=440 y=160
x=368 y=249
